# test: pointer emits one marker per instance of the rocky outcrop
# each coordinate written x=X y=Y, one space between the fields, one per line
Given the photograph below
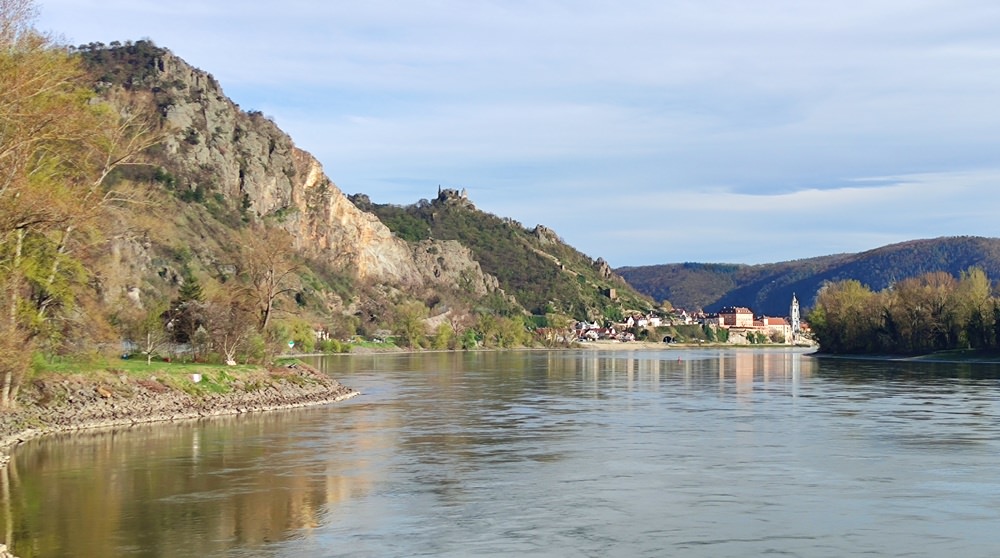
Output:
x=214 y=150
x=450 y=263
x=604 y=269
x=546 y=235
x=328 y=226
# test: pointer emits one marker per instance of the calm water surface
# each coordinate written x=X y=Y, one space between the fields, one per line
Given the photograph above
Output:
x=574 y=453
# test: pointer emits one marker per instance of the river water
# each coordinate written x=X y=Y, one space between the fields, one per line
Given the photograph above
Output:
x=549 y=454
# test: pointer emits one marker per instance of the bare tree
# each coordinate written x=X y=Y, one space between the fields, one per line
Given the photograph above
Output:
x=229 y=320
x=145 y=328
x=269 y=270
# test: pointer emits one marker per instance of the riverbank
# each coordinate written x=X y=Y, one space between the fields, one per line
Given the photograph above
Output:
x=56 y=403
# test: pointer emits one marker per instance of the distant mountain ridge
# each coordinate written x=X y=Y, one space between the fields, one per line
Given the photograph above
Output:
x=768 y=288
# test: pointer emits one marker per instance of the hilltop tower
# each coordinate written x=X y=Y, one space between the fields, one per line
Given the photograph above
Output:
x=794 y=315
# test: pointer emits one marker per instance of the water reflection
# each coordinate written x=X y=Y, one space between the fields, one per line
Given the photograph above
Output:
x=566 y=453
x=191 y=489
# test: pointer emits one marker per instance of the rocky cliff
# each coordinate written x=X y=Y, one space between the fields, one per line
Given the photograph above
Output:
x=242 y=167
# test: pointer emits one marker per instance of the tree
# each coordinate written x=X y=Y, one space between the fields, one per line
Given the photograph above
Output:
x=230 y=323
x=972 y=310
x=191 y=288
x=146 y=329
x=920 y=312
x=843 y=316
x=559 y=329
x=56 y=148
x=409 y=325
x=300 y=332
x=469 y=340
x=709 y=333
x=188 y=313
x=268 y=270
x=501 y=331
x=444 y=337
x=931 y=312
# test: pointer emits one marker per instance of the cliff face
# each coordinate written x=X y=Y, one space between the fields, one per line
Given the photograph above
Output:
x=246 y=168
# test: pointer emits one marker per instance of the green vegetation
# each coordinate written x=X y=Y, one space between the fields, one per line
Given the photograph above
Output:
x=212 y=379
x=59 y=145
x=932 y=312
x=129 y=64
x=543 y=274
x=406 y=226
x=410 y=327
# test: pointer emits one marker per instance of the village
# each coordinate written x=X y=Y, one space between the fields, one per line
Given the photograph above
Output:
x=736 y=325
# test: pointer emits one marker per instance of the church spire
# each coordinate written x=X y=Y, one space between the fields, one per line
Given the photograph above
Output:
x=794 y=315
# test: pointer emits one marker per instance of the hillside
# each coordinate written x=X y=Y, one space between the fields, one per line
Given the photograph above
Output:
x=768 y=288
x=541 y=272
x=219 y=171
x=221 y=179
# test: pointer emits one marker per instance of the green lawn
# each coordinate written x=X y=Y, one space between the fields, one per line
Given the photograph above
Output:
x=214 y=378
x=133 y=366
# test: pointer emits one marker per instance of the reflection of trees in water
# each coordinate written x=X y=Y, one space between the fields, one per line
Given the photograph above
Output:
x=195 y=488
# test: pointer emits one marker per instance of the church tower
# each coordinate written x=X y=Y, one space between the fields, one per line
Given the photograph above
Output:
x=794 y=315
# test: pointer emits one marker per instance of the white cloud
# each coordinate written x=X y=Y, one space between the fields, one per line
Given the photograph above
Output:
x=629 y=127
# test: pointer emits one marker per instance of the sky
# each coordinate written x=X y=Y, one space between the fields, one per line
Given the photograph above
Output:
x=642 y=132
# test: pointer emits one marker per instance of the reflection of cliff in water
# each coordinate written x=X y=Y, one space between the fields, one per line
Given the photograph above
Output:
x=157 y=486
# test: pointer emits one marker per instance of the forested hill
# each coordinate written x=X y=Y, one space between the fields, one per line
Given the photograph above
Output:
x=768 y=288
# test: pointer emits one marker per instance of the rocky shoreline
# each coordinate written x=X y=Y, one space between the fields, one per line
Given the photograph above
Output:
x=60 y=403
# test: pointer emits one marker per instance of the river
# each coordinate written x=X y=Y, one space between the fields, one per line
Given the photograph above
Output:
x=548 y=454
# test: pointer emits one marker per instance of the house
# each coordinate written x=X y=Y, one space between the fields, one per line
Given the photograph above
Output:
x=778 y=326
x=736 y=316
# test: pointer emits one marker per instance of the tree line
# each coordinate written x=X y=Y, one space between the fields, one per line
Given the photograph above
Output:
x=932 y=312
x=57 y=147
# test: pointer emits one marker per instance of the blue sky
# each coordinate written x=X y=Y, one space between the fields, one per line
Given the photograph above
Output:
x=643 y=132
